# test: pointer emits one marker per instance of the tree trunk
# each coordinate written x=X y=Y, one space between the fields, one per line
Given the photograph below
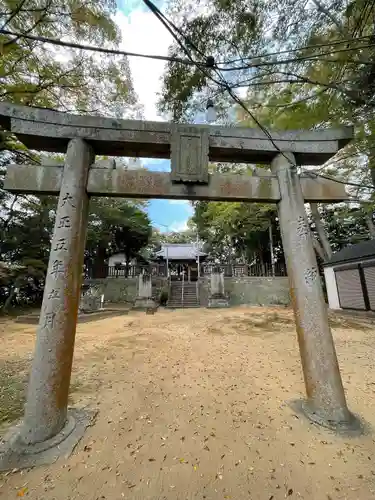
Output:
x=262 y=266
x=13 y=288
x=127 y=260
x=99 y=268
x=9 y=299
x=370 y=225
x=318 y=248
x=321 y=231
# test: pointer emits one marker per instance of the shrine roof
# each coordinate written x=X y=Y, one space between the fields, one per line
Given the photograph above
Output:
x=179 y=251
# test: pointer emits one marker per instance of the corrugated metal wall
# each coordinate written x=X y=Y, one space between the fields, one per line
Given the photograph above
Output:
x=356 y=285
x=349 y=288
x=369 y=272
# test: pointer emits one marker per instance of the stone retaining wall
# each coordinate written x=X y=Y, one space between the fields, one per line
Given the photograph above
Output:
x=251 y=290
x=123 y=290
x=244 y=290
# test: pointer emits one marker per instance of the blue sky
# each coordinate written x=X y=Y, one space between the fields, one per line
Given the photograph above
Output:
x=143 y=32
x=167 y=215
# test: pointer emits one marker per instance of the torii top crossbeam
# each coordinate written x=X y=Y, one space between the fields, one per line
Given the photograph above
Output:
x=47 y=130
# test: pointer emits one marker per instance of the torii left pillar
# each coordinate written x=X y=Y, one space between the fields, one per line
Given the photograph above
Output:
x=47 y=423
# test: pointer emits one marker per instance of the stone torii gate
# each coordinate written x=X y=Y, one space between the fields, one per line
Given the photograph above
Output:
x=47 y=422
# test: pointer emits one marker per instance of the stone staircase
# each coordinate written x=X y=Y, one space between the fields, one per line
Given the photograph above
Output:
x=187 y=299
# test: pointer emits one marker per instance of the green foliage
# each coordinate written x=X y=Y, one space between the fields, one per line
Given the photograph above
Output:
x=306 y=89
x=164 y=296
x=116 y=226
x=236 y=231
x=38 y=74
x=344 y=225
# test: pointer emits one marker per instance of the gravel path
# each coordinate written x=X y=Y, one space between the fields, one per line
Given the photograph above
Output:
x=193 y=405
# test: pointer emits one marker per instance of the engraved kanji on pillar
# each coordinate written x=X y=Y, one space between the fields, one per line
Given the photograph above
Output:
x=46 y=406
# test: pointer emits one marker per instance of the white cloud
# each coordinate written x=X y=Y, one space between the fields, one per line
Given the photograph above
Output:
x=142 y=32
x=179 y=202
x=178 y=226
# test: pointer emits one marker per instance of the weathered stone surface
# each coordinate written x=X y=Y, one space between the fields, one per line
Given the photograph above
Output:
x=51 y=162
x=145 y=184
x=240 y=290
x=15 y=454
x=217 y=302
x=260 y=291
x=217 y=297
x=33 y=179
x=36 y=127
x=124 y=290
x=144 y=298
x=110 y=163
x=90 y=300
x=325 y=394
x=189 y=154
x=217 y=284
x=47 y=399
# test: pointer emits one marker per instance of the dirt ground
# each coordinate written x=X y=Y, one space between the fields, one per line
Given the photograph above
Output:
x=194 y=405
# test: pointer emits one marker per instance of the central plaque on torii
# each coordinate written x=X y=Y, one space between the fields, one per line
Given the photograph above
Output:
x=189 y=154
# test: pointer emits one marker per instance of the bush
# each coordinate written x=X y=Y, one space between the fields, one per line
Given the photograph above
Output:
x=163 y=299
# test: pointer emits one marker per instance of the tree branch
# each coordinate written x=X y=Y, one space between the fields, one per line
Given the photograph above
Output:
x=321 y=231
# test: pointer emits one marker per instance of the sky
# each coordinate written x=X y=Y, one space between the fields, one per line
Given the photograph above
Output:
x=143 y=32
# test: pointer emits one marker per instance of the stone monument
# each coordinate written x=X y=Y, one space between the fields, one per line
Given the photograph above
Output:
x=217 y=297
x=144 y=298
x=90 y=299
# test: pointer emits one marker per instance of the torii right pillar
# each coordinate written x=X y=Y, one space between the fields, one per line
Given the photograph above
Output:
x=325 y=403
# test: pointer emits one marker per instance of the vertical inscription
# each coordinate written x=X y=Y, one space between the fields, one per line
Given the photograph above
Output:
x=310 y=275
x=53 y=294
x=46 y=407
x=302 y=229
x=64 y=222
x=49 y=320
x=57 y=268
x=67 y=199
x=60 y=245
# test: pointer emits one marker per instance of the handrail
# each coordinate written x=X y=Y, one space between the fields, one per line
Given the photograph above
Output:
x=182 y=289
x=197 y=290
x=169 y=282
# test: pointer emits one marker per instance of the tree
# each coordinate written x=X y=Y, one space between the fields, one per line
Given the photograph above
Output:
x=344 y=225
x=238 y=231
x=115 y=226
x=37 y=74
x=301 y=66
x=24 y=248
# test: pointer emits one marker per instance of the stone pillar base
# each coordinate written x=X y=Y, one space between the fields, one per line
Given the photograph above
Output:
x=15 y=454
x=144 y=303
x=346 y=424
x=217 y=302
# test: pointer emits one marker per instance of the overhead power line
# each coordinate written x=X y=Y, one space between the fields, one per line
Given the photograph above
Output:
x=208 y=64
x=299 y=49
x=191 y=61
x=347 y=183
x=223 y=83
x=92 y=48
